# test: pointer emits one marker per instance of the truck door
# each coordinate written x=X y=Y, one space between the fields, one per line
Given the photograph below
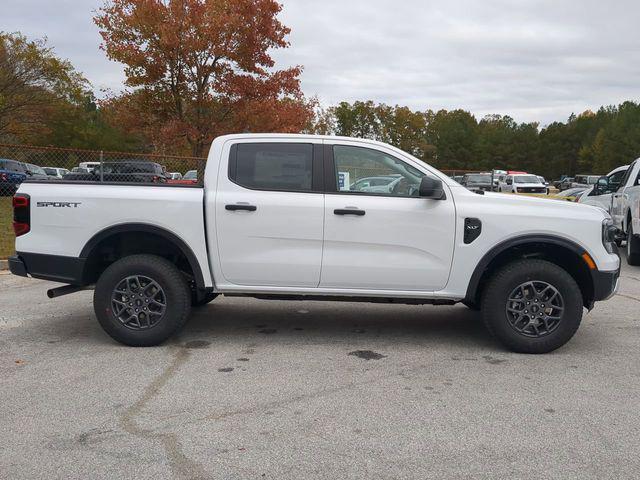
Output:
x=619 y=203
x=389 y=239
x=270 y=213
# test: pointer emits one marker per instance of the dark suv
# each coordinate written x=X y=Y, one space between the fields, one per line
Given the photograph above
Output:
x=477 y=181
x=12 y=174
x=124 y=171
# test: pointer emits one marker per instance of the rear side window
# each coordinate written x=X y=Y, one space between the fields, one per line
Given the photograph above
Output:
x=272 y=166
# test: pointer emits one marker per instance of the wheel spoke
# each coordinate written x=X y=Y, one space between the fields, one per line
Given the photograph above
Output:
x=138 y=302
x=544 y=305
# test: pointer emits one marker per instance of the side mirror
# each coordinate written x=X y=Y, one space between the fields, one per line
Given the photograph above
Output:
x=30 y=173
x=602 y=186
x=432 y=188
x=509 y=182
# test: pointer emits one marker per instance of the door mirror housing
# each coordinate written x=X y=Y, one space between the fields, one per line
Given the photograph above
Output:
x=432 y=188
x=509 y=181
x=602 y=186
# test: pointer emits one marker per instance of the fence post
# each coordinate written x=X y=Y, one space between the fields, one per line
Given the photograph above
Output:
x=101 y=166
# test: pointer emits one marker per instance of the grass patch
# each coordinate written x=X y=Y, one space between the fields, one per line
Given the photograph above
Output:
x=7 y=238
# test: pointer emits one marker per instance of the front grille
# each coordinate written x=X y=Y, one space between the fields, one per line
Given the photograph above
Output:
x=531 y=190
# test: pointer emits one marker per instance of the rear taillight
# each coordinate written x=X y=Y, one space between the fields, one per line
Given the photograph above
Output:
x=21 y=214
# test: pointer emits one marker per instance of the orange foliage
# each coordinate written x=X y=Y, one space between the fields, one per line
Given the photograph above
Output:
x=201 y=68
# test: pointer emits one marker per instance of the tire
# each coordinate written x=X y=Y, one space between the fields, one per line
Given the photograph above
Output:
x=633 y=247
x=508 y=326
x=207 y=298
x=159 y=283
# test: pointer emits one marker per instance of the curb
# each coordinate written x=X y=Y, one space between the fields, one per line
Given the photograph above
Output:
x=4 y=265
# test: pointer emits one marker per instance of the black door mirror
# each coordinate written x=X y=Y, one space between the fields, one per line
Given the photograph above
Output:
x=509 y=181
x=601 y=187
x=432 y=188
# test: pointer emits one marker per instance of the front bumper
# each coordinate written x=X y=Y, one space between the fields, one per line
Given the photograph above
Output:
x=605 y=284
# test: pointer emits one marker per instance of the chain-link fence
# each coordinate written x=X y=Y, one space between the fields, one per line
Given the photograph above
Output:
x=19 y=163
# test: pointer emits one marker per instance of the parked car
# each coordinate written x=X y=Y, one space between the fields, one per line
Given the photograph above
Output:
x=12 y=174
x=373 y=184
x=477 y=181
x=174 y=176
x=571 y=194
x=625 y=211
x=270 y=221
x=35 y=172
x=565 y=183
x=123 y=171
x=585 y=181
x=189 y=178
x=601 y=193
x=522 y=183
x=55 y=171
x=89 y=166
x=79 y=170
x=544 y=182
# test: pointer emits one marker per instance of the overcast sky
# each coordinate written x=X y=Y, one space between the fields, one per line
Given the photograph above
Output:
x=536 y=60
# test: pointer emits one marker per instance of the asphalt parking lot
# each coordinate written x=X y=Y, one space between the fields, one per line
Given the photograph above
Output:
x=302 y=390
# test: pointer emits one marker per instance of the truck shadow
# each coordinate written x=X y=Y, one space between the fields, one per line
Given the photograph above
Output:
x=336 y=322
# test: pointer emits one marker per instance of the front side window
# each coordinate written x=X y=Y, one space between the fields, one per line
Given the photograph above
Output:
x=36 y=169
x=273 y=166
x=366 y=171
x=627 y=174
x=616 y=178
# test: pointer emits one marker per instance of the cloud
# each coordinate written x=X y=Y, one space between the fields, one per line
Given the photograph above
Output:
x=531 y=59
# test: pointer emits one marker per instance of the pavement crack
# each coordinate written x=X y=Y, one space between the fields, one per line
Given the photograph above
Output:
x=181 y=465
x=628 y=296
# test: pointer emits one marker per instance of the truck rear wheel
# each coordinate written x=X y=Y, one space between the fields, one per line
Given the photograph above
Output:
x=633 y=247
x=532 y=306
x=142 y=300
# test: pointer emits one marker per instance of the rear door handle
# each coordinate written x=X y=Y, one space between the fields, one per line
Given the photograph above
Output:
x=349 y=211
x=237 y=207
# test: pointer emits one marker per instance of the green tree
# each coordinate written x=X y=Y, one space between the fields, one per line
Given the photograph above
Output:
x=34 y=85
x=454 y=135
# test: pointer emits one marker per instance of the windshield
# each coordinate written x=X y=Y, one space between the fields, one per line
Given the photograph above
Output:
x=480 y=178
x=50 y=171
x=526 y=179
x=36 y=169
x=191 y=175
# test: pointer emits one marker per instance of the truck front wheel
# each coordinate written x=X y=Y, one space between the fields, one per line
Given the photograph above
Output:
x=633 y=247
x=532 y=306
x=142 y=300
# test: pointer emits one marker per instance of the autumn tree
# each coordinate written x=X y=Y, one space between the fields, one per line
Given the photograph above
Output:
x=200 y=68
x=34 y=86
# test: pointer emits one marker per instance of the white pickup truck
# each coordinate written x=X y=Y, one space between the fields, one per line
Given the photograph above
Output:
x=601 y=193
x=625 y=211
x=281 y=217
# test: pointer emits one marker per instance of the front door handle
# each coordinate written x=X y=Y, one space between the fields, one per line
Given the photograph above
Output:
x=236 y=207
x=349 y=211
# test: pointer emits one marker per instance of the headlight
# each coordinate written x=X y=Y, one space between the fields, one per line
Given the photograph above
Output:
x=609 y=235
